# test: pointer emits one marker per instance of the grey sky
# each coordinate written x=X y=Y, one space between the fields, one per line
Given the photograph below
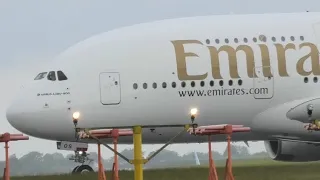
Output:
x=32 y=32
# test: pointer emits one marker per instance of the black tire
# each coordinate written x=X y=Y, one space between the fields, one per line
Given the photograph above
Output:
x=74 y=170
x=83 y=169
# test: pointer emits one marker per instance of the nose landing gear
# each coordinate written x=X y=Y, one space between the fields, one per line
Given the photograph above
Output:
x=81 y=157
x=82 y=169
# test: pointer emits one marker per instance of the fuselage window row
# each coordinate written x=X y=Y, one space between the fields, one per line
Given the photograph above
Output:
x=262 y=38
x=306 y=79
x=184 y=84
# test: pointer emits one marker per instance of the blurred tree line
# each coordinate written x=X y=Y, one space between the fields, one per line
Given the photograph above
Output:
x=35 y=163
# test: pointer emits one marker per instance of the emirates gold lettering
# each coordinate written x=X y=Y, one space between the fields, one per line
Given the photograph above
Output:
x=282 y=52
x=233 y=64
x=181 y=60
x=314 y=57
x=265 y=57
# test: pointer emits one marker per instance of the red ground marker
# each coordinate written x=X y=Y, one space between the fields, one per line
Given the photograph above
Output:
x=6 y=138
x=215 y=130
x=115 y=134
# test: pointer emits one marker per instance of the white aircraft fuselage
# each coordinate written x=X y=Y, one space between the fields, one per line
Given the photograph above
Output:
x=253 y=70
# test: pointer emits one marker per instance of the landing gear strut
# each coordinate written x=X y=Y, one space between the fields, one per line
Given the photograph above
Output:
x=80 y=156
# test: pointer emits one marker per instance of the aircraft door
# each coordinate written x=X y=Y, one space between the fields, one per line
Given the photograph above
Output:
x=263 y=86
x=110 y=91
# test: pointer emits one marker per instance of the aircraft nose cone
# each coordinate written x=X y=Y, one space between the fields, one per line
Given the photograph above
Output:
x=40 y=122
x=23 y=118
x=13 y=116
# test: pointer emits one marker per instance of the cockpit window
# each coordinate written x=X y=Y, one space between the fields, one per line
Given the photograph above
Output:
x=52 y=76
x=40 y=76
x=61 y=76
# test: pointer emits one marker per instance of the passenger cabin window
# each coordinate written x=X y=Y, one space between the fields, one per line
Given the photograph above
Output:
x=61 y=76
x=51 y=76
x=40 y=76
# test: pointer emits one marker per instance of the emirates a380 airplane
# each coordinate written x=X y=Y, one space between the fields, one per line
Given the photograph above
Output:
x=259 y=70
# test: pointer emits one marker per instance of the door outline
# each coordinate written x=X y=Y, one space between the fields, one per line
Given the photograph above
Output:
x=119 y=88
x=259 y=78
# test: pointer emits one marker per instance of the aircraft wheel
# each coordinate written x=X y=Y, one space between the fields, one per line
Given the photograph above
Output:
x=74 y=170
x=83 y=169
